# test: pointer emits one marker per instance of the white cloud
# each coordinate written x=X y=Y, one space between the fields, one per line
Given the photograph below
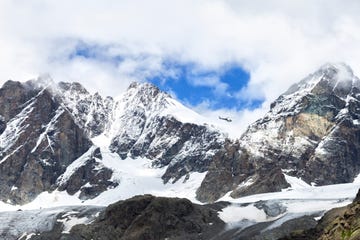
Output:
x=277 y=41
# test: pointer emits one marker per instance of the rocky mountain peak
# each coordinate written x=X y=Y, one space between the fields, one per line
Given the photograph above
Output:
x=328 y=78
x=38 y=140
x=73 y=87
x=146 y=122
x=310 y=132
x=305 y=120
x=144 y=95
x=334 y=82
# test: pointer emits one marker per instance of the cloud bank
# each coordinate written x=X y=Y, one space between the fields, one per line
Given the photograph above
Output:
x=107 y=45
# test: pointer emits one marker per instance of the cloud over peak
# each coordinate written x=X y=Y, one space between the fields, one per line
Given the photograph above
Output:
x=108 y=45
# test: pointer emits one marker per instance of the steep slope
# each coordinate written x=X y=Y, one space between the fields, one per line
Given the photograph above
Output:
x=312 y=131
x=148 y=123
x=313 y=128
x=39 y=141
x=90 y=111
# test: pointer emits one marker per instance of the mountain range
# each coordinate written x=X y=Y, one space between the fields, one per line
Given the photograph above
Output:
x=63 y=146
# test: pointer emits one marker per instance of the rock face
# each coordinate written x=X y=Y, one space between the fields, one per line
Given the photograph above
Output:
x=312 y=128
x=232 y=170
x=86 y=175
x=312 y=131
x=90 y=111
x=39 y=140
x=145 y=122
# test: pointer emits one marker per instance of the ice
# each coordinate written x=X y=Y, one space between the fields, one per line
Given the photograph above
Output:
x=296 y=183
x=28 y=223
x=233 y=214
x=70 y=219
x=135 y=177
x=16 y=223
x=299 y=200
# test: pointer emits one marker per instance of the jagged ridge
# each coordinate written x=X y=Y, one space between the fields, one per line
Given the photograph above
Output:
x=46 y=130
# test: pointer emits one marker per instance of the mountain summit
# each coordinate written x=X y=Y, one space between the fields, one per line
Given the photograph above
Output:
x=146 y=122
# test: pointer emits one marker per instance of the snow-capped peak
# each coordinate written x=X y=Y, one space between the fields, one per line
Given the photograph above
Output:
x=331 y=75
x=146 y=122
x=144 y=95
x=304 y=125
x=146 y=101
x=336 y=78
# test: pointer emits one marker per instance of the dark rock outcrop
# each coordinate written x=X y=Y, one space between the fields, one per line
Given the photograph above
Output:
x=90 y=178
x=271 y=208
x=229 y=168
x=2 y=124
x=148 y=217
x=12 y=97
x=233 y=170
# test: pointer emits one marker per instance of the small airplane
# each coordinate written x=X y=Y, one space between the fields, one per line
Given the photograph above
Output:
x=225 y=119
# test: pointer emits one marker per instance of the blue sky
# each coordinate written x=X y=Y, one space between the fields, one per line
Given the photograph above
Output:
x=216 y=89
x=189 y=83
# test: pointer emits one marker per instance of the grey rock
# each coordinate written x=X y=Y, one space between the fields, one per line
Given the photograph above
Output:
x=2 y=124
x=42 y=139
x=271 y=208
